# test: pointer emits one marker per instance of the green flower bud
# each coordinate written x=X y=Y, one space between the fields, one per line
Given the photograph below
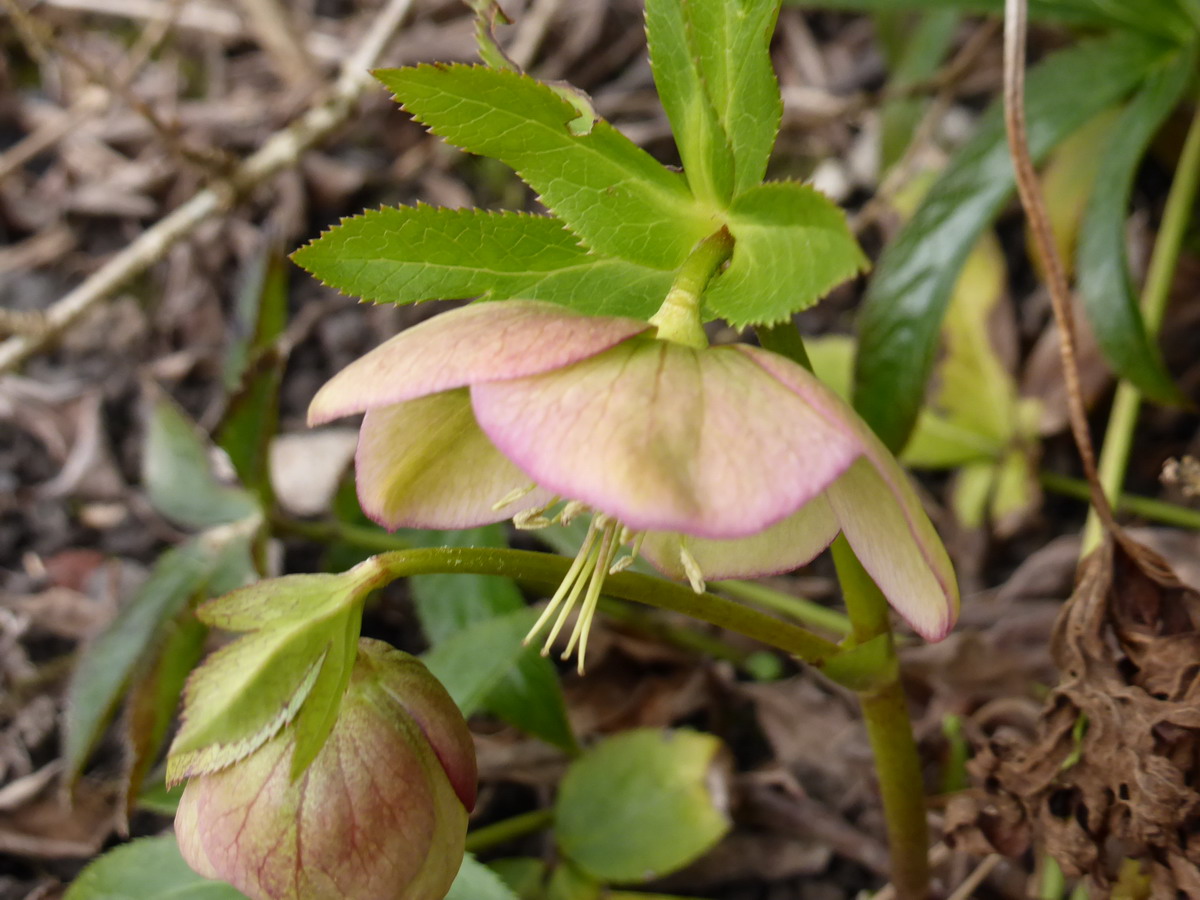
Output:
x=380 y=814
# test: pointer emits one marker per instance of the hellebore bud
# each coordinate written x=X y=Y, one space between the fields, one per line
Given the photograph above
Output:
x=380 y=813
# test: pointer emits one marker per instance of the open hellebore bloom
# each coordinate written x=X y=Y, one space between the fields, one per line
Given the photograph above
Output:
x=380 y=814
x=711 y=462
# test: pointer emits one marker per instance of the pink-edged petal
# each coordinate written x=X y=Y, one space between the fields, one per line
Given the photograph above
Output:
x=881 y=515
x=668 y=438
x=882 y=519
x=472 y=344
x=784 y=546
x=426 y=464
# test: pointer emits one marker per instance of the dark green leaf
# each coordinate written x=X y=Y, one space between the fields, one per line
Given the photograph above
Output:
x=178 y=475
x=410 y=254
x=146 y=869
x=106 y=665
x=1105 y=282
x=920 y=51
x=1162 y=18
x=154 y=698
x=641 y=805
x=902 y=314
x=610 y=192
x=529 y=696
x=474 y=661
x=260 y=315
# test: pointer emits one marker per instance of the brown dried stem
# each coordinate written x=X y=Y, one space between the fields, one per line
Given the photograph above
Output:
x=1029 y=189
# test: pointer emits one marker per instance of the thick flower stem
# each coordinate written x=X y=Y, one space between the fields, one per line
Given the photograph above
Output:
x=885 y=710
x=547 y=569
x=678 y=319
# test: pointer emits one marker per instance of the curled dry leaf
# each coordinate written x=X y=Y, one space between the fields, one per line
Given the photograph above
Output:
x=1113 y=770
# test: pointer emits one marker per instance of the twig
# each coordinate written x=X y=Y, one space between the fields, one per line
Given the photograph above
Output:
x=274 y=30
x=976 y=878
x=1029 y=189
x=194 y=16
x=281 y=150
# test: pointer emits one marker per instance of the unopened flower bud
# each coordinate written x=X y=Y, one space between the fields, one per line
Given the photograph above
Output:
x=380 y=814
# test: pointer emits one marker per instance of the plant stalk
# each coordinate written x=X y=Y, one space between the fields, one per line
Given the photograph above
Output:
x=509 y=829
x=548 y=569
x=885 y=709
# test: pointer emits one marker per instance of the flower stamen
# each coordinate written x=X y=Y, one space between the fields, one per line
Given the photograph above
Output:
x=571 y=585
x=609 y=547
x=694 y=573
x=513 y=496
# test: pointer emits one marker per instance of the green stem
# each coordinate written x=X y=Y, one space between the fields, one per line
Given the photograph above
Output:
x=885 y=709
x=509 y=829
x=331 y=532
x=1146 y=507
x=678 y=319
x=811 y=614
x=547 y=569
x=1118 y=438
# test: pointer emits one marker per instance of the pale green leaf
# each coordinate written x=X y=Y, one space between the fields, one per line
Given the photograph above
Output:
x=110 y=660
x=792 y=247
x=293 y=667
x=642 y=804
x=475 y=881
x=178 y=475
x=611 y=193
x=146 y=869
x=700 y=136
x=410 y=254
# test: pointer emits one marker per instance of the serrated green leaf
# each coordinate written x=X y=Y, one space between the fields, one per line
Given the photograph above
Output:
x=700 y=136
x=912 y=283
x=529 y=696
x=178 y=475
x=146 y=869
x=410 y=254
x=474 y=661
x=1161 y=18
x=641 y=805
x=291 y=667
x=792 y=247
x=109 y=661
x=731 y=42
x=607 y=190
x=1105 y=283
x=475 y=881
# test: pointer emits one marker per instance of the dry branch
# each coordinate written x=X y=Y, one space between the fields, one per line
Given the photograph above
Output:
x=281 y=150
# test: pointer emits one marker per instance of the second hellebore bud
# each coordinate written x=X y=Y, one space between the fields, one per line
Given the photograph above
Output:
x=380 y=814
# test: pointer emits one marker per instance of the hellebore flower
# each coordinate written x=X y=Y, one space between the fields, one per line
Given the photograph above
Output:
x=711 y=462
x=380 y=814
